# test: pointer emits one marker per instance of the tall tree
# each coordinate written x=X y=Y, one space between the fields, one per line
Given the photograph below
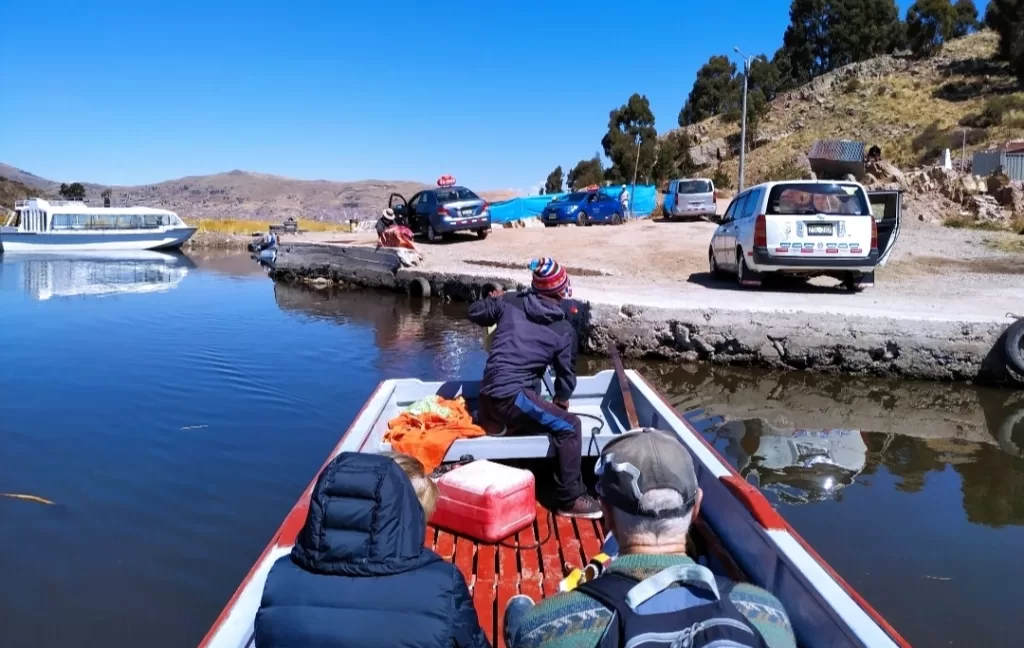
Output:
x=586 y=173
x=762 y=87
x=966 y=18
x=105 y=195
x=626 y=123
x=826 y=34
x=929 y=24
x=554 y=182
x=1006 y=18
x=713 y=90
x=673 y=157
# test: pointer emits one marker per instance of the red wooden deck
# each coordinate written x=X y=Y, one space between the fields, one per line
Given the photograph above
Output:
x=496 y=573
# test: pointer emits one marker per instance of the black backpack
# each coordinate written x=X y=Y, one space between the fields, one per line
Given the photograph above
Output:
x=716 y=623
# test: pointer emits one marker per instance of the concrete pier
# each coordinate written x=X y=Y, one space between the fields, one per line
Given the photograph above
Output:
x=649 y=322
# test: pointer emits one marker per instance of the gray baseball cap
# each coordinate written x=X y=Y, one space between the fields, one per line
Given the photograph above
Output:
x=642 y=460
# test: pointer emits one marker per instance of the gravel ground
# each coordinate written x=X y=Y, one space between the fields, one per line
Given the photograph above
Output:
x=933 y=272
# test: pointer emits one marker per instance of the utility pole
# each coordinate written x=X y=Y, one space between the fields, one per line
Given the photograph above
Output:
x=635 y=168
x=963 y=155
x=747 y=60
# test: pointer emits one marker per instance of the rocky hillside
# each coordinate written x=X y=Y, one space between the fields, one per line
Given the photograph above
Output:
x=910 y=108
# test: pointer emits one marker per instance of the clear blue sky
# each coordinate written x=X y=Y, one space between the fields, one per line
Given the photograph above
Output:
x=496 y=94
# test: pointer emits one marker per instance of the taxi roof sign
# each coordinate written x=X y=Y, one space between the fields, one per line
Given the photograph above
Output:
x=446 y=181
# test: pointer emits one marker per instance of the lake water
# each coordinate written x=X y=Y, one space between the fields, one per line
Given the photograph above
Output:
x=174 y=408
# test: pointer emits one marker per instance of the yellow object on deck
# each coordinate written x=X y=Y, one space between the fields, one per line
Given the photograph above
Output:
x=594 y=568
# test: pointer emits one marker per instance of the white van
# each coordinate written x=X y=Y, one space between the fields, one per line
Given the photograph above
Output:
x=806 y=228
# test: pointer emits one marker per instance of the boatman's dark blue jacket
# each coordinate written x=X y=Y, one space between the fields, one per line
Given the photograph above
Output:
x=359 y=575
x=533 y=332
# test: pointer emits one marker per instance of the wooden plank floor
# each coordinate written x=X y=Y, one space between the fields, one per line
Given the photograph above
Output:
x=496 y=573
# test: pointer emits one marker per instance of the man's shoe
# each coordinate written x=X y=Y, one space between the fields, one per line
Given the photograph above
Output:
x=515 y=610
x=585 y=506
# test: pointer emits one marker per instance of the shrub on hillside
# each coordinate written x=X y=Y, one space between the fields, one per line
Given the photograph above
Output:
x=929 y=143
x=995 y=111
x=721 y=180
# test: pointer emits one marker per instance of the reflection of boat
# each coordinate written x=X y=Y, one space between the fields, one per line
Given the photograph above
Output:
x=59 y=226
x=798 y=465
x=737 y=533
x=98 y=274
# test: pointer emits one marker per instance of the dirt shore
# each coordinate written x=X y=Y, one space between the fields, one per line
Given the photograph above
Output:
x=934 y=272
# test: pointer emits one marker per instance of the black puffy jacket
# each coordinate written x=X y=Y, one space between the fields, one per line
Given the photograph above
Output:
x=359 y=575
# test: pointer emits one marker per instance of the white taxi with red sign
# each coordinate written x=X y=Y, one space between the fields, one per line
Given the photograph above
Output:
x=806 y=228
x=444 y=211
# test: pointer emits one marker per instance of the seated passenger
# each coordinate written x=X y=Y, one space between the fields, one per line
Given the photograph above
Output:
x=532 y=333
x=648 y=490
x=424 y=486
x=359 y=575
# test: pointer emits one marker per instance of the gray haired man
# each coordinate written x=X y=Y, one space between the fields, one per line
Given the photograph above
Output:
x=648 y=491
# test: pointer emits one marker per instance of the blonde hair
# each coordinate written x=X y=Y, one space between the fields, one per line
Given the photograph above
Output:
x=426 y=489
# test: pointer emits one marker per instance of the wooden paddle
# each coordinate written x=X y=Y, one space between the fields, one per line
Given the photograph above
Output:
x=627 y=395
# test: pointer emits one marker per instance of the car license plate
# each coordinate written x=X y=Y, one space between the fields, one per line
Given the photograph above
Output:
x=695 y=205
x=819 y=229
x=552 y=216
x=467 y=211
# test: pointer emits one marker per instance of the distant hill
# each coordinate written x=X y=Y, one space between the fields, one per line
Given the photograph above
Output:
x=12 y=190
x=890 y=101
x=241 y=195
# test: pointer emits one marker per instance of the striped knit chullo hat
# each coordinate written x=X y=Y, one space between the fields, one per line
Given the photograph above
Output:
x=550 y=279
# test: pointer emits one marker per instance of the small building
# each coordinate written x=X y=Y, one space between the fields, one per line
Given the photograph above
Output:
x=835 y=159
x=1010 y=156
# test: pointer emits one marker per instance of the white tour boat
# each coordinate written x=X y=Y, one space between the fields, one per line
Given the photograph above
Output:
x=57 y=226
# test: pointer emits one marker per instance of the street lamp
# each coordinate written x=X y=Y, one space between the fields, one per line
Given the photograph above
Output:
x=635 y=167
x=747 y=60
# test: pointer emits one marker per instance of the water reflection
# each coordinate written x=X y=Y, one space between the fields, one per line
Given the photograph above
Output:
x=97 y=274
x=798 y=465
x=401 y=328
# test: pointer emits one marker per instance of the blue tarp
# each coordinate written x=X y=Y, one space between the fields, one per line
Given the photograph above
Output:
x=531 y=206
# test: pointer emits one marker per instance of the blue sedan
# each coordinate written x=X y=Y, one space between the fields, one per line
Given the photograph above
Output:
x=583 y=208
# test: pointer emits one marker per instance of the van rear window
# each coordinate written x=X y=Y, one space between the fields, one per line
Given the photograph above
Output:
x=812 y=198
x=694 y=187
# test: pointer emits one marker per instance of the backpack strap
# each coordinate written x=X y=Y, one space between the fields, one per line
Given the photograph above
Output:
x=623 y=594
x=610 y=589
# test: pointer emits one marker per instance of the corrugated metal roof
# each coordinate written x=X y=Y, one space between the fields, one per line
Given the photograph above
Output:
x=1007 y=147
x=837 y=150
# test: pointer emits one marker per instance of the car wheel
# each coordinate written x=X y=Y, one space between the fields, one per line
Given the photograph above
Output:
x=741 y=268
x=716 y=272
x=483 y=233
x=582 y=220
x=617 y=219
x=855 y=282
x=432 y=234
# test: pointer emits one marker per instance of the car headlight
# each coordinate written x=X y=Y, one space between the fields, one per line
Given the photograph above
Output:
x=571 y=209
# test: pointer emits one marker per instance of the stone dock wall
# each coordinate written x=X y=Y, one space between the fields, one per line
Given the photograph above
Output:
x=924 y=349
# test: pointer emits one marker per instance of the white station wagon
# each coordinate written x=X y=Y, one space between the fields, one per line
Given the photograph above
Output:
x=806 y=228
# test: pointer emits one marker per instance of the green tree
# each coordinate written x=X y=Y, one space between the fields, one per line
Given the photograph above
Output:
x=966 y=18
x=554 y=182
x=585 y=173
x=762 y=87
x=73 y=191
x=672 y=158
x=1006 y=18
x=105 y=195
x=626 y=123
x=929 y=24
x=827 y=34
x=712 y=92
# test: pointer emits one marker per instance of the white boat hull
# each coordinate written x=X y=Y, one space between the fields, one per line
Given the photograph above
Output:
x=157 y=239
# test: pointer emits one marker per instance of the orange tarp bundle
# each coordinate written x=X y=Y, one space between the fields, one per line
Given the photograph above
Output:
x=428 y=436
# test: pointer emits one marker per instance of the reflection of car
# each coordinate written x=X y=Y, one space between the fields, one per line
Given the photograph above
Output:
x=583 y=208
x=444 y=211
x=691 y=198
x=806 y=228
